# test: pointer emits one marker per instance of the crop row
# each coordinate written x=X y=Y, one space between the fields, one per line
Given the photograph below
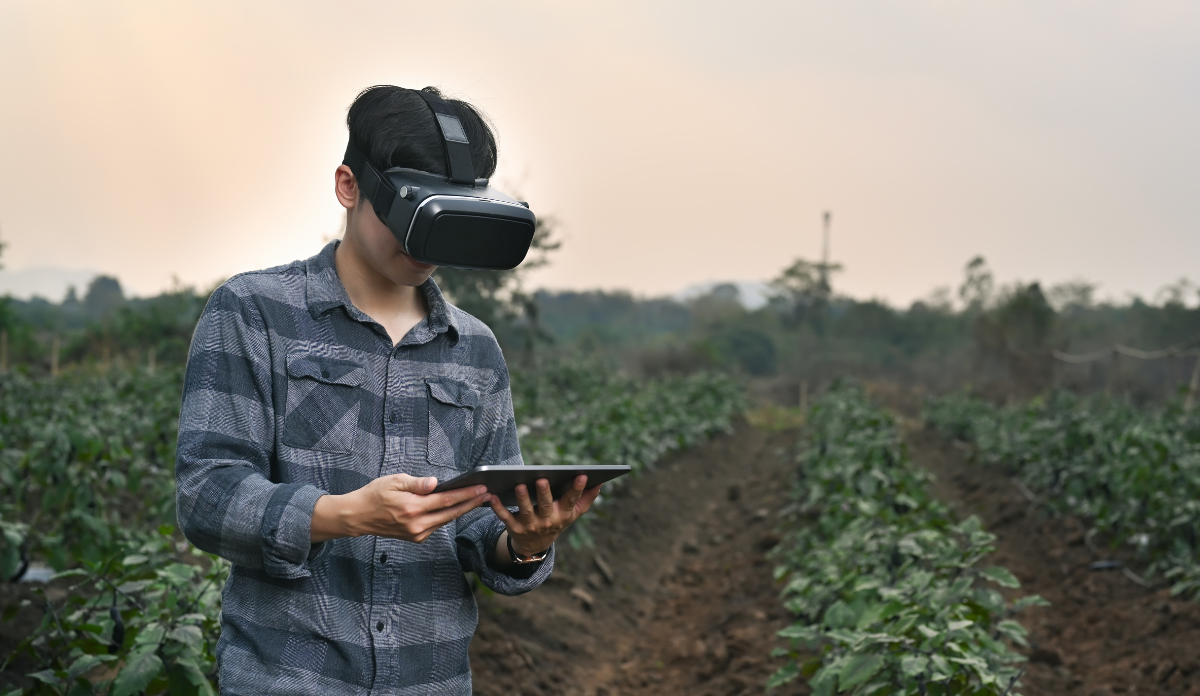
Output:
x=887 y=588
x=585 y=412
x=1134 y=472
x=87 y=464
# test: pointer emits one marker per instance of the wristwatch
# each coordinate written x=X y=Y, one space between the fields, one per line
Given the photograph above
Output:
x=518 y=558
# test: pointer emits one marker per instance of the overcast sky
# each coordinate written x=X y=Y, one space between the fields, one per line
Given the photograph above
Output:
x=675 y=142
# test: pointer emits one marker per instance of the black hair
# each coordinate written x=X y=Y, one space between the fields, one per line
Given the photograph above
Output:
x=394 y=127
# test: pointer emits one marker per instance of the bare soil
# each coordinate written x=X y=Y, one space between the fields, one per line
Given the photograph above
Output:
x=677 y=596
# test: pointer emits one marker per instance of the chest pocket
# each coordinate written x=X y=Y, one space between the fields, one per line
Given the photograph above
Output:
x=323 y=403
x=452 y=407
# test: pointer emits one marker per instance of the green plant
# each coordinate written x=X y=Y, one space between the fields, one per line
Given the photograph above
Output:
x=887 y=588
x=1134 y=472
x=583 y=411
x=84 y=460
x=141 y=621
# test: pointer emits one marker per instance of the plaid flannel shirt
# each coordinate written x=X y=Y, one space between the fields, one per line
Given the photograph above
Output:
x=291 y=392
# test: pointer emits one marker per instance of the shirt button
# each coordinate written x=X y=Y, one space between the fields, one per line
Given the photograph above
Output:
x=325 y=374
x=395 y=418
x=383 y=558
x=379 y=627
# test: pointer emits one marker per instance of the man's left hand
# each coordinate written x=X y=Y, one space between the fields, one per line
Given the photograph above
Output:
x=535 y=526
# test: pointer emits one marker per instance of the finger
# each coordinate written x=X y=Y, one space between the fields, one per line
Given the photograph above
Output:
x=444 y=516
x=585 y=501
x=573 y=493
x=524 y=504
x=502 y=512
x=418 y=504
x=413 y=484
x=454 y=497
x=545 y=498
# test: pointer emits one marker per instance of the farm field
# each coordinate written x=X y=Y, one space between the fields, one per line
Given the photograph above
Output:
x=89 y=490
x=684 y=617
x=680 y=582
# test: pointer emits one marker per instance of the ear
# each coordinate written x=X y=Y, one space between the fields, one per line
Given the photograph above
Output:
x=345 y=187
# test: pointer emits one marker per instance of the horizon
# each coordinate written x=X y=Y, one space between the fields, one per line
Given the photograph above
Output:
x=753 y=294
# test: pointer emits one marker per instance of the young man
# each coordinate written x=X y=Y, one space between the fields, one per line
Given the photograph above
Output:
x=322 y=402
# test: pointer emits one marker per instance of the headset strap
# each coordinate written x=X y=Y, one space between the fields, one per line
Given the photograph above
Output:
x=454 y=137
x=373 y=185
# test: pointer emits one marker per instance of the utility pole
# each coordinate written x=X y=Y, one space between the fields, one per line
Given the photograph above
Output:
x=825 y=254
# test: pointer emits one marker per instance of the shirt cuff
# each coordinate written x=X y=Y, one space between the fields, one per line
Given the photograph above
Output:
x=287 y=531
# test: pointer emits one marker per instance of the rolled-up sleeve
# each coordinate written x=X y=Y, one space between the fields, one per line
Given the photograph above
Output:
x=227 y=503
x=479 y=530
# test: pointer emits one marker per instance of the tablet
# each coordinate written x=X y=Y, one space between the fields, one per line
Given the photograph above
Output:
x=502 y=480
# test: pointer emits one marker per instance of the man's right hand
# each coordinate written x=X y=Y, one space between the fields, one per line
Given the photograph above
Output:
x=397 y=506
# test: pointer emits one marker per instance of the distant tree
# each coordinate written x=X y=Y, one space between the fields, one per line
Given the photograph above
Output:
x=803 y=280
x=1072 y=295
x=717 y=306
x=804 y=289
x=1016 y=334
x=978 y=285
x=1176 y=293
x=104 y=296
x=752 y=350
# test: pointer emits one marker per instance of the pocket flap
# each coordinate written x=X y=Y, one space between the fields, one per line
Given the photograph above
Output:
x=453 y=393
x=327 y=370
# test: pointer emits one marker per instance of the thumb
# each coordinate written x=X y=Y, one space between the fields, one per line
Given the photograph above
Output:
x=413 y=484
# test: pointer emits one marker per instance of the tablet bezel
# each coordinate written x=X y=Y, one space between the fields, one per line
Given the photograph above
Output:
x=501 y=480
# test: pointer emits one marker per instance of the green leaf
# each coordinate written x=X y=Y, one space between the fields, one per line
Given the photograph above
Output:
x=959 y=625
x=799 y=632
x=1001 y=576
x=941 y=668
x=1013 y=631
x=189 y=635
x=151 y=633
x=10 y=561
x=85 y=663
x=1029 y=601
x=178 y=573
x=912 y=665
x=135 y=559
x=187 y=679
x=137 y=674
x=47 y=676
x=858 y=669
x=783 y=675
x=824 y=681
x=133 y=586
x=839 y=615
x=871 y=614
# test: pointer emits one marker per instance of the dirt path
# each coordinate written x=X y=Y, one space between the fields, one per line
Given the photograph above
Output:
x=1103 y=633
x=676 y=597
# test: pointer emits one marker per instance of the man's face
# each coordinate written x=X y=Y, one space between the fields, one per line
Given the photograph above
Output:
x=372 y=239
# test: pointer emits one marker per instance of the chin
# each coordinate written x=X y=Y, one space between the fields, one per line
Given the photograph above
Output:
x=402 y=272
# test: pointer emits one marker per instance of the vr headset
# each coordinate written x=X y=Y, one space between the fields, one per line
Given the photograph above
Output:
x=457 y=220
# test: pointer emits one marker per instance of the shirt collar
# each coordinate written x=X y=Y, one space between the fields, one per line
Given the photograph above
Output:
x=324 y=291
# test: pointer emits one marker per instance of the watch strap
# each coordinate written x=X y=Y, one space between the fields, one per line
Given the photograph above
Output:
x=518 y=558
